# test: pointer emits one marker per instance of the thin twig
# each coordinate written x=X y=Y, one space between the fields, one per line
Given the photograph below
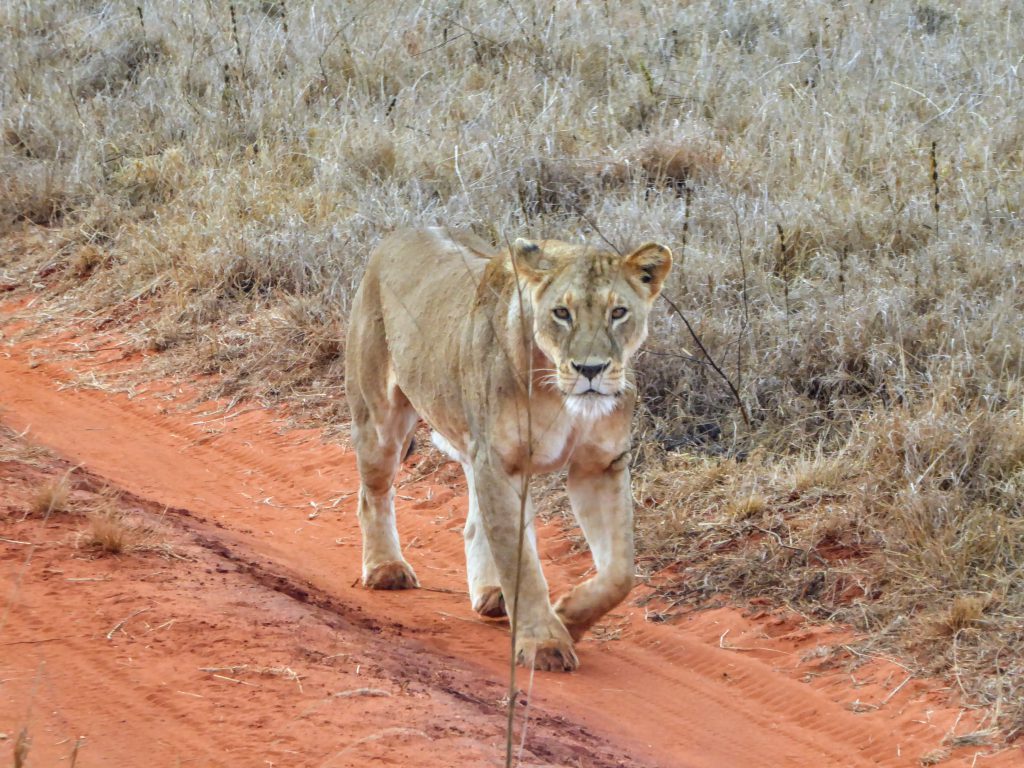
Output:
x=372 y=692
x=34 y=642
x=876 y=656
x=122 y=622
x=444 y=590
x=463 y=618
x=593 y=225
x=956 y=665
x=779 y=541
x=746 y=304
x=235 y=680
x=729 y=647
x=711 y=361
x=524 y=491
x=935 y=185
x=686 y=222
x=894 y=691
x=80 y=740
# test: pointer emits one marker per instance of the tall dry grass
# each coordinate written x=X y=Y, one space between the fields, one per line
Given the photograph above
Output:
x=842 y=184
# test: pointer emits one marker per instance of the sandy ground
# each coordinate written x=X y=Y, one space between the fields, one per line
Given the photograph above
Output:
x=241 y=637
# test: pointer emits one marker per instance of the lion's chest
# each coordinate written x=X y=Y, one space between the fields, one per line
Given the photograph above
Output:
x=545 y=443
x=553 y=447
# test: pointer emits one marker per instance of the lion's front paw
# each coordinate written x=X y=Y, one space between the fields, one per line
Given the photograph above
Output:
x=395 y=574
x=572 y=622
x=491 y=603
x=554 y=655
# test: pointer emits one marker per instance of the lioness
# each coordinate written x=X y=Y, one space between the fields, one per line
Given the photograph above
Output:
x=518 y=360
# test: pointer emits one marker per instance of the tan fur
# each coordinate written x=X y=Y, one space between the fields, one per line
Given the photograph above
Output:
x=473 y=341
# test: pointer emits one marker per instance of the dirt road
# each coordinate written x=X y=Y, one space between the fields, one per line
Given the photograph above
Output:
x=311 y=669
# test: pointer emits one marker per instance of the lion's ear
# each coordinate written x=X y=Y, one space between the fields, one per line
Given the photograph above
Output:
x=648 y=266
x=529 y=259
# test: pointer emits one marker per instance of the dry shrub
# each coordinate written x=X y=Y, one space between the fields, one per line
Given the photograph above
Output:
x=114 y=530
x=109 y=531
x=964 y=612
x=86 y=260
x=52 y=496
x=34 y=192
x=819 y=473
x=747 y=506
x=685 y=154
x=373 y=157
x=116 y=68
x=151 y=180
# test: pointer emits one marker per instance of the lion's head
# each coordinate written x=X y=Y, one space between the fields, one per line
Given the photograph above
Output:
x=590 y=311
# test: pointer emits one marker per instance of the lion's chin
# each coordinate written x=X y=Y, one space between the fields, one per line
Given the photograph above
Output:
x=591 y=405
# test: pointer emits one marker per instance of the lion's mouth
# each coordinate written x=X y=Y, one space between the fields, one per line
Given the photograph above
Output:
x=593 y=393
x=599 y=387
x=590 y=392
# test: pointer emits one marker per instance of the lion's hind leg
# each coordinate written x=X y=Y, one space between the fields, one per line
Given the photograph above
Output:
x=481 y=572
x=382 y=422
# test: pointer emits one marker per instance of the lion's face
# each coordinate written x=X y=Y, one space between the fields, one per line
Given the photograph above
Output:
x=590 y=311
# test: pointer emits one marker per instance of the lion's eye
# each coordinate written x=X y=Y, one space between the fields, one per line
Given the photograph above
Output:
x=562 y=313
x=619 y=312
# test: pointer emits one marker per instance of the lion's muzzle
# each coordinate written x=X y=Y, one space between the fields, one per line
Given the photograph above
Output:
x=591 y=378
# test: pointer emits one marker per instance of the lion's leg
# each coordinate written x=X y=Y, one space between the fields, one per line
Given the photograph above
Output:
x=603 y=506
x=380 y=430
x=541 y=639
x=481 y=571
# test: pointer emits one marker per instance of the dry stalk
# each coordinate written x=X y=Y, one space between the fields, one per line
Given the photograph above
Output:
x=73 y=758
x=22 y=745
x=120 y=625
x=784 y=267
x=687 y=196
x=234 y=35
x=526 y=337
x=371 y=692
x=935 y=184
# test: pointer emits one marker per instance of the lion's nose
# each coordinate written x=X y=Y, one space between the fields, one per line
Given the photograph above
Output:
x=590 y=371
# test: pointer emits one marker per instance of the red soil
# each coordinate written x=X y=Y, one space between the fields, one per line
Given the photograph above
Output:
x=310 y=669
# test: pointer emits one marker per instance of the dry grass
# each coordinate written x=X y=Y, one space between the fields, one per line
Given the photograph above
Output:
x=910 y=530
x=113 y=529
x=109 y=532
x=52 y=496
x=842 y=185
